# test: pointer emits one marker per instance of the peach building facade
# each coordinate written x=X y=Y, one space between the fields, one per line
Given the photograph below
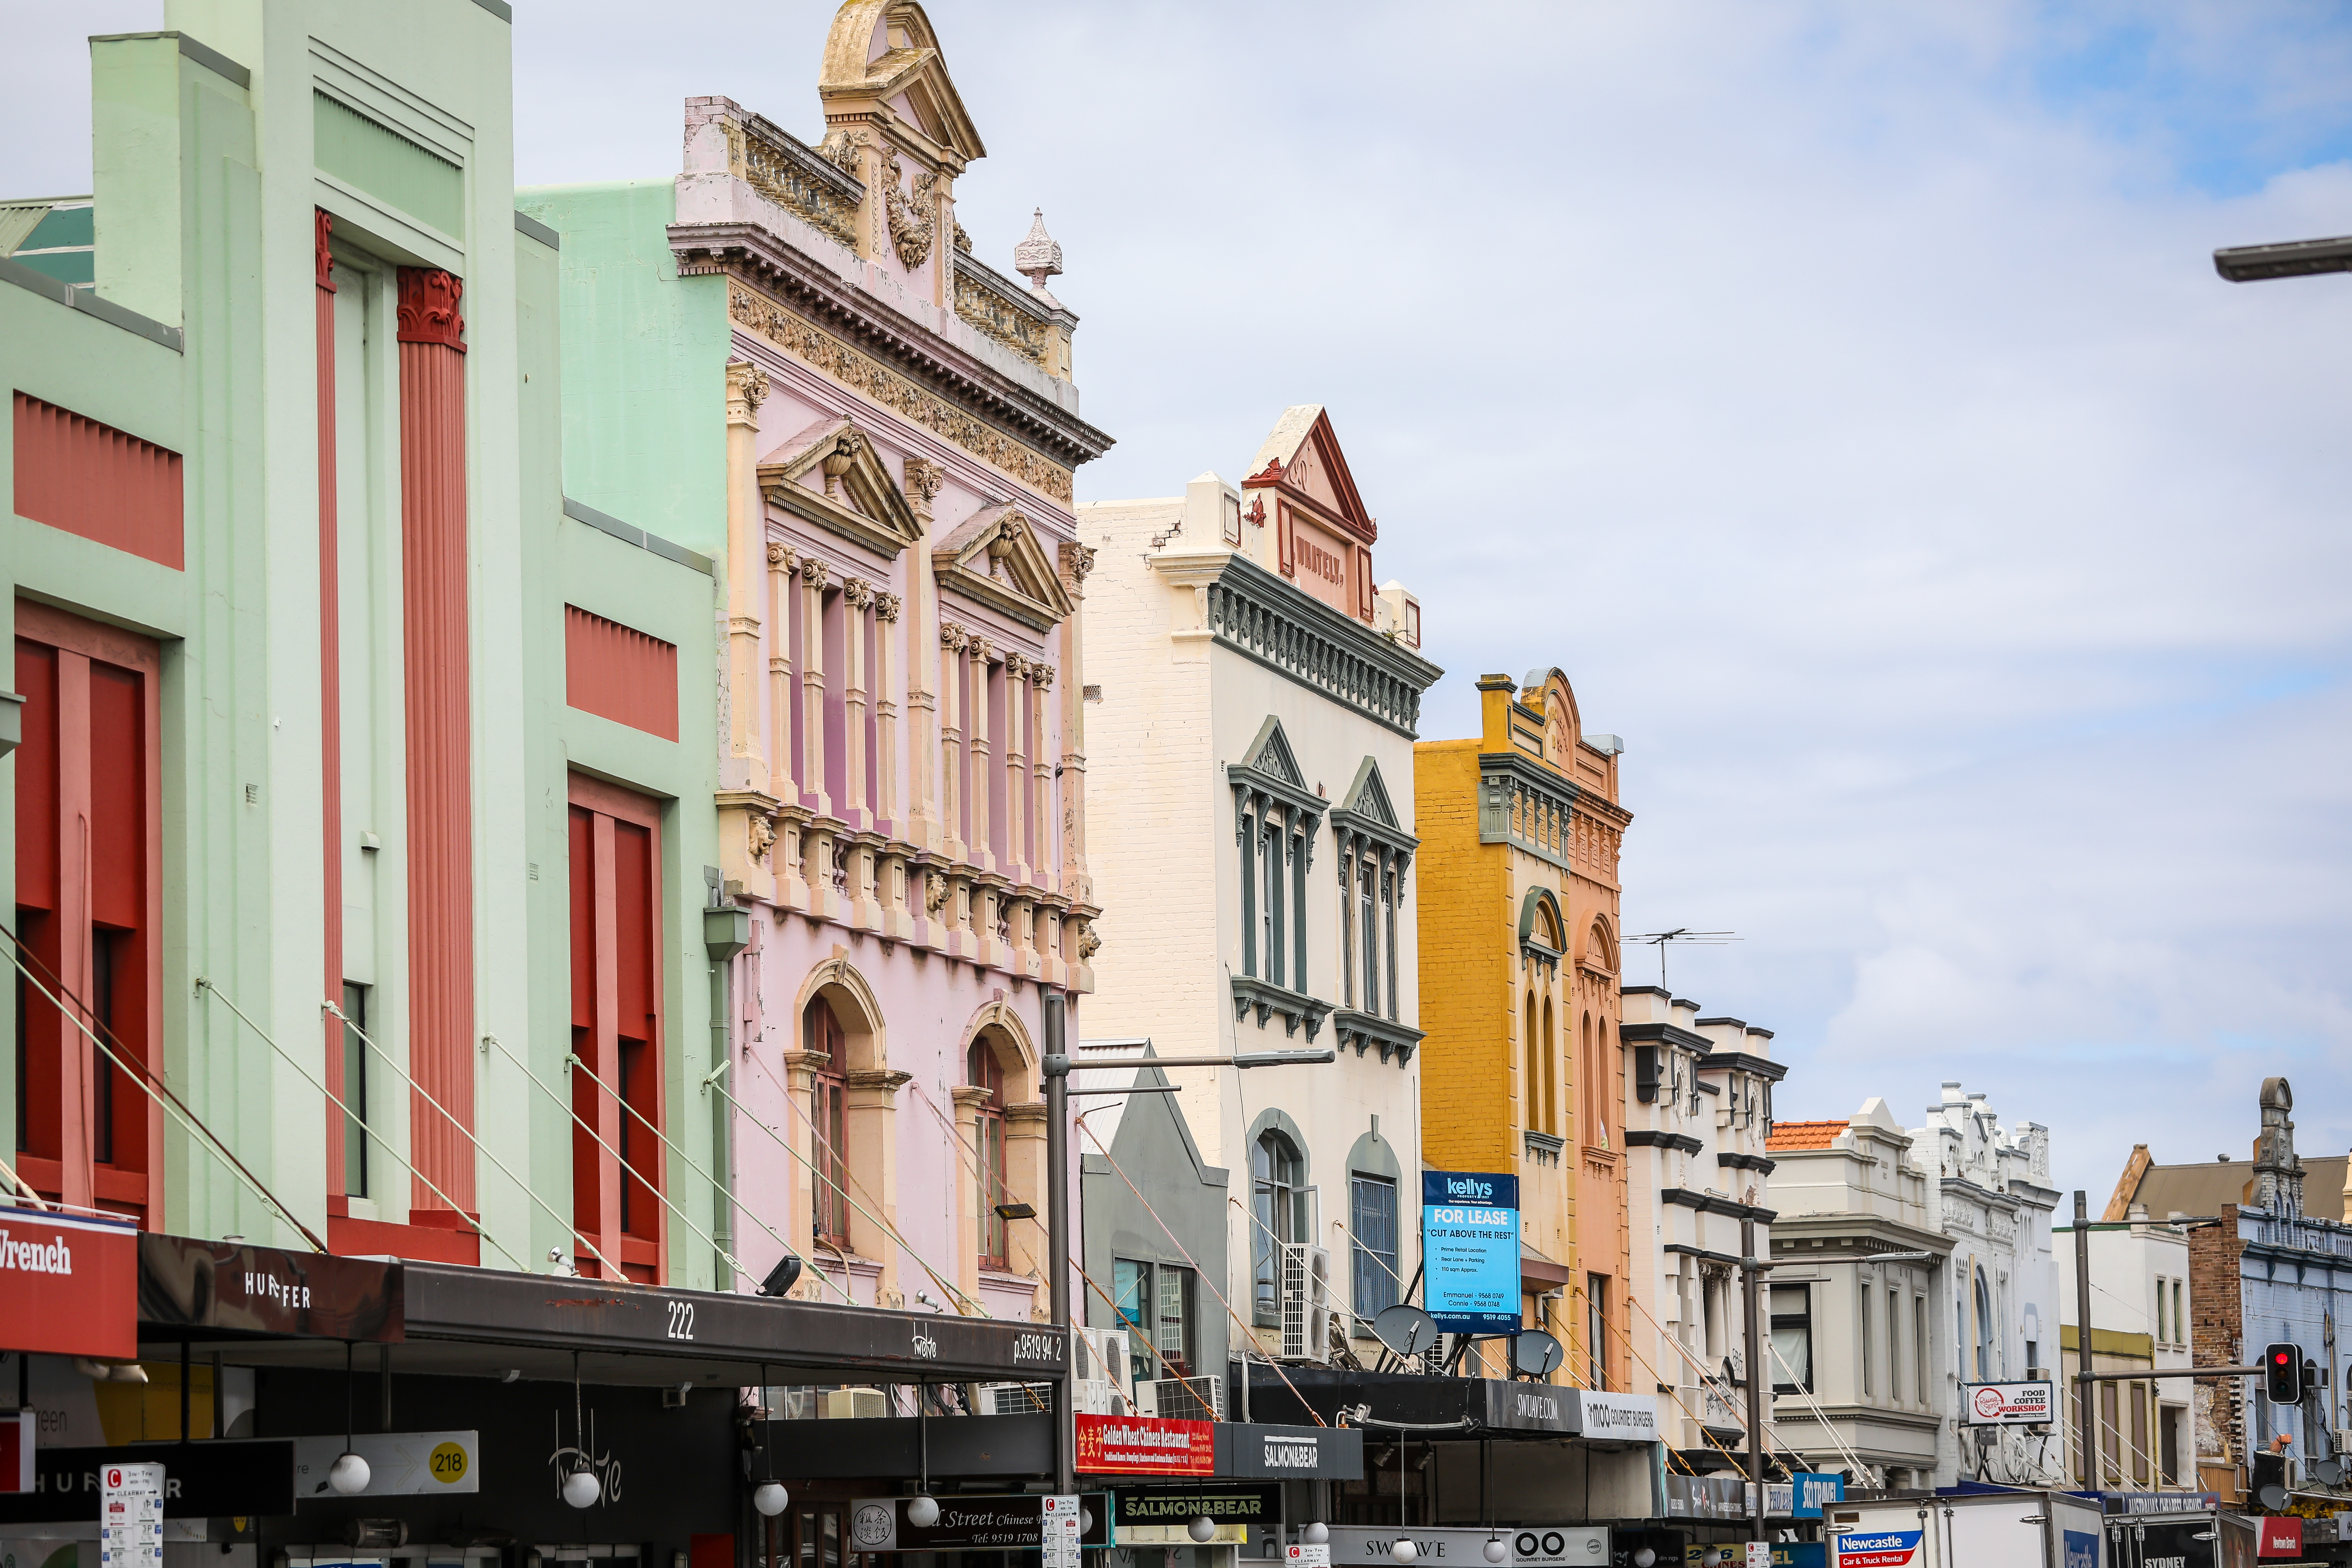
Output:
x=1519 y=985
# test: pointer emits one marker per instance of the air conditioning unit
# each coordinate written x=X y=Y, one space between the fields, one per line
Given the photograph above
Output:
x=1102 y=1355
x=853 y=1404
x=1182 y=1398
x=1305 y=1302
x=1016 y=1398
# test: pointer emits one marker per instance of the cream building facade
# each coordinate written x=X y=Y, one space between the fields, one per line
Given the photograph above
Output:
x=1252 y=721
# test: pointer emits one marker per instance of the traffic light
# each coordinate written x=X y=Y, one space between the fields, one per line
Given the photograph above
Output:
x=2283 y=1374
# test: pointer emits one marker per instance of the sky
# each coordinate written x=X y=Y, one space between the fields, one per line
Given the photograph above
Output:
x=1842 y=394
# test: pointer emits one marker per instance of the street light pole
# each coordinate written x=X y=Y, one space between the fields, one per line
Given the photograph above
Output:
x=1751 y=1268
x=1055 y=1065
x=2085 y=1417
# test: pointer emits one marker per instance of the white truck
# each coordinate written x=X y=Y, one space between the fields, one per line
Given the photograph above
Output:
x=2010 y=1529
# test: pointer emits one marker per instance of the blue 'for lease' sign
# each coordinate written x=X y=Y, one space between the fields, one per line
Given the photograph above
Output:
x=1470 y=1248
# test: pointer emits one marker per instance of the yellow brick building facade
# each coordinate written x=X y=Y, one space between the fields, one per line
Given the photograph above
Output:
x=1520 y=830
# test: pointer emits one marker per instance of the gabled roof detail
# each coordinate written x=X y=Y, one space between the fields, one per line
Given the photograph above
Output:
x=994 y=558
x=1369 y=797
x=858 y=500
x=883 y=57
x=1302 y=459
x=1270 y=753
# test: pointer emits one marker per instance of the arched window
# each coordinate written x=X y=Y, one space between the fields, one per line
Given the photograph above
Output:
x=1533 y=1092
x=984 y=1072
x=1591 y=1129
x=822 y=1036
x=1551 y=1074
x=1281 y=1203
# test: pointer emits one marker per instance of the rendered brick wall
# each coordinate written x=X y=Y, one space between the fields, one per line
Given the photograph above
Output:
x=2217 y=1336
x=1470 y=1092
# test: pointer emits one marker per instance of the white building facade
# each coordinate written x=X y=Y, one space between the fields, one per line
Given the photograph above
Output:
x=1697 y=1109
x=1251 y=758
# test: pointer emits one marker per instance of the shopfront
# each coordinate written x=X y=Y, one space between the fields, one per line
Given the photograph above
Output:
x=521 y=1419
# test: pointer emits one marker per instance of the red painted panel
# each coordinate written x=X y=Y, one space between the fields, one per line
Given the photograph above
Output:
x=618 y=673
x=380 y=1238
x=118 y=785
x=37 y=777
x=633 y=933
x=92 y=480
x=583 y=923
x=617 y=978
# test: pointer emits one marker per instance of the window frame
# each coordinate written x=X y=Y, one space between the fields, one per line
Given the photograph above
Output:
x=984 y=1071
x=829 y=1121
x=1368 y=1262
x=1275 y=1223
x=1799 y=1322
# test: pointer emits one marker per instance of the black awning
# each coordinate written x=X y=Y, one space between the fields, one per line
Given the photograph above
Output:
x=1402 y=1405
x=963 y=1447
x=269 y=1306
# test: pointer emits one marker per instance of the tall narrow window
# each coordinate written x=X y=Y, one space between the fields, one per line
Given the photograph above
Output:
x=1252 y=939
x=89 y=841
x=1550 y=1074
x=1278 y=1201
x=1270 y=902
x=1364 y=875
x=1867 y=1357
x=616 y=1091
x=355 y=1091
x=1372 y=1224
x=983 y=1071
x=1894 y=1345
x=1792 y=1339
x=1348 y=924
x=1919 y=1348
x=1532 y=1088
x=821 y=1036
x=1596 y=1329
x=1388 y=926
x=1172 y=1319
x=1131 y=1300
x=2179 y=1320
x=1983 y=1300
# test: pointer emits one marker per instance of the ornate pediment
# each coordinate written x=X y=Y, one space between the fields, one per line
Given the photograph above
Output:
x=831 y=476
x=1270 y=753
x=883 y=58
x=1369 y=797
x=996 y=559
x=1301 y=458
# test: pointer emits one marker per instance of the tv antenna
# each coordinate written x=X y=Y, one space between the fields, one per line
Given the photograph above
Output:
x=1688 y=937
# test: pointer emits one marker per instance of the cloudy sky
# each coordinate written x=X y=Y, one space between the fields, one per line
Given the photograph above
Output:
x=1841 y=394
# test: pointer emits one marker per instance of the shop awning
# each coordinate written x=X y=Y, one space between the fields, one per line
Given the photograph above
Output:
x=266 y=1306
x=1437 y=1407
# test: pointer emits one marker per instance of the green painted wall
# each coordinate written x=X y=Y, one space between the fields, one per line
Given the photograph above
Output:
x=645 y=364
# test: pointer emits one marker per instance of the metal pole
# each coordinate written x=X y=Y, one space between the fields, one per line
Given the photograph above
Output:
x=1752 y=1288
x=2086 y=1417
x=1056 y=1068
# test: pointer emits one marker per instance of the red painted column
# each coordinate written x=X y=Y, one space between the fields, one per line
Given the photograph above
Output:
x=330 y=723
x=437 y=664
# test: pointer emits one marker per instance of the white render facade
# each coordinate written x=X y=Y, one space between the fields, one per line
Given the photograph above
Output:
x=1861 y=1360
x=2141 y=1307
x=1696 y=1112
x=1251 y=774
x=1991 y=1193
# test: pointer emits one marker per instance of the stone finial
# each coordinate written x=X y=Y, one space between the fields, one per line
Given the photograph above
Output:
x=1037 y=257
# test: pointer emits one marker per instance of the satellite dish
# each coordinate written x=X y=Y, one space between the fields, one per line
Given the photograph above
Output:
x=1406 y=1330
x=2329 y=1471
x=1535 y=1352
x=2272 y=1497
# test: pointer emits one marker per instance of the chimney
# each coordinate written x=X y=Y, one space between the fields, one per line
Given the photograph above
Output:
x=2278 y=1174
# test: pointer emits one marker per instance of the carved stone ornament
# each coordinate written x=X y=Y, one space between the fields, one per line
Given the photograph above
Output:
x=842 y=457
x=1001 y=547
x=760 y=828
x=814 y=573
x=856 y=593
x=1014 y=665
x=1076 y=560
x=954 y=634
x=924 y=479
x=914 y=221
x=747 y=385
x=428 y=308
x=323 y=261
x=784 y=555
x=1043 y=674
x=1037 y=257
x=840 y=149
x=1090 y=944
x=935 y=893
x=963 y=240
x=888 y=606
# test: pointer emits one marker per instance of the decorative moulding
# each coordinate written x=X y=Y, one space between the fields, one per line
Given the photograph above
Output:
x=858 y=499
x=995 y=558
x=1269 y=998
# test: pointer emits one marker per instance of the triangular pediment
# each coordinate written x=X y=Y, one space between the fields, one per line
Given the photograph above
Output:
x=995 y=557
x=1367 y=797
x=883 y=55
x=831 y=475
x=1302 y=456
x=1270 y=754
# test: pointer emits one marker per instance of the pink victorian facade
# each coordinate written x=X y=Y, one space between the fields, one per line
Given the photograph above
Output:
x=902 y=804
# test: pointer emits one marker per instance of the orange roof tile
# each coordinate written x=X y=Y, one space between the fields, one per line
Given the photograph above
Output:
x=1790 y=1136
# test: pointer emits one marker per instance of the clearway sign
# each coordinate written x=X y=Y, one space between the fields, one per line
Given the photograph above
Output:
x=2008 y=1404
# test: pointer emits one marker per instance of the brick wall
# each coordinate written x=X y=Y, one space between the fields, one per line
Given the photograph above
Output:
x=2216 y=1334
x=1470 y=1091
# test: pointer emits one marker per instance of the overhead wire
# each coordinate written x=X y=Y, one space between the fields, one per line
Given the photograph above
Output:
x=149 y=1081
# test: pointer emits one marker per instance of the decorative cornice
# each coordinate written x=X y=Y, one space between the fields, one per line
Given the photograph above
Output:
x=999 y=308
x=1757 y=1163
x=1709 y=1203
x=1260 y=617
x=1366 y=1031
x=1644 y=1138
x=820 y=190
x=1740 y=1062
x=1296 y=1007
x=428 y=308
x=761 y=264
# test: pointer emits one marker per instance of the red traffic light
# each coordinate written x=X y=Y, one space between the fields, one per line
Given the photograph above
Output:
x=2283 y=1374
x=2281 y=1358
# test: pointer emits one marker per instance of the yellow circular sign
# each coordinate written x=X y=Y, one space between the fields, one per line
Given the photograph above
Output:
x=449 y=1463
